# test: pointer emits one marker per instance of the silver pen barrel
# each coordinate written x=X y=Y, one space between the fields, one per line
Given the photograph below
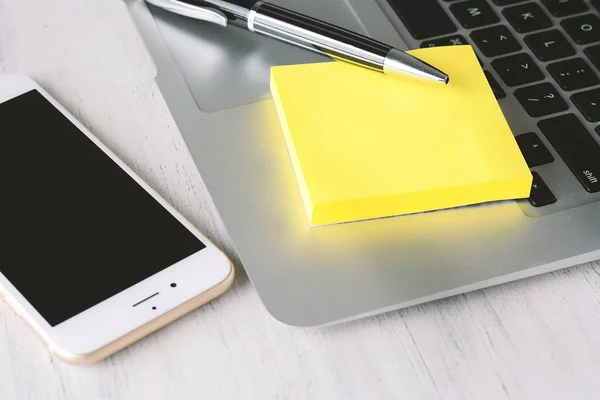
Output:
x=303 y=31
x=342 y=44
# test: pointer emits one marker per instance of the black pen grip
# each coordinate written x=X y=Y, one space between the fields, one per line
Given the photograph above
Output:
x=322 y=28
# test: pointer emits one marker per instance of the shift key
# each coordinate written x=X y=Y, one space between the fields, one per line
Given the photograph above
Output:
x=576 y=147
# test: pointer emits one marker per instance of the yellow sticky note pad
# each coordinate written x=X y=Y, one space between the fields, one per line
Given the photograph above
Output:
x=364 y=145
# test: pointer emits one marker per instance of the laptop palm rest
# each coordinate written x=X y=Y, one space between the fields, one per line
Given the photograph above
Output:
x=311 y=276
x=229 y=67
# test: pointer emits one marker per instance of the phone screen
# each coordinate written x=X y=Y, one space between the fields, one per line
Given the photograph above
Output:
x=77 y=229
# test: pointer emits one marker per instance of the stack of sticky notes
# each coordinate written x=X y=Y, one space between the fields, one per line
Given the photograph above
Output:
x=365 y=145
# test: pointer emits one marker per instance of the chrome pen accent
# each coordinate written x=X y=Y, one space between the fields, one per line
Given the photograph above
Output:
x=191 y=11
x=398 y=62
x=252 y=16
x=306 y=32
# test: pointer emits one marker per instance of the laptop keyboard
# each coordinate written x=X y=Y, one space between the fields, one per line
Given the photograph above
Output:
x=545 y=56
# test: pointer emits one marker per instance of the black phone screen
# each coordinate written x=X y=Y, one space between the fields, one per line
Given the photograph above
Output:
x=76 y=228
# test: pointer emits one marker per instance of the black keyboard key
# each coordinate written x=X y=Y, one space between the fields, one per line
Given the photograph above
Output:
x=507 y=2
x=593 y=53
x=517 y=69
x=576 y=147
x=583 y=29
x=496 y=88
x=589 y=104
x=573 y=74
x=473 y=13
x=562 y=8
x=454 y=40
x=527 y=17
x=534 y=151
x=495 y=41
x=541 y=195
x=549 y=45
x=540 y=100
x=423 y=18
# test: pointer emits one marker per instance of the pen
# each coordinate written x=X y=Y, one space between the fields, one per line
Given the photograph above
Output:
x=300 y=30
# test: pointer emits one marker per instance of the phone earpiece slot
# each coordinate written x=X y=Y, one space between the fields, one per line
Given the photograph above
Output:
x=146 y=299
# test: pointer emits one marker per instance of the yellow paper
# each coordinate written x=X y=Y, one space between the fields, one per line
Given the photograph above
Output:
x=365 y=145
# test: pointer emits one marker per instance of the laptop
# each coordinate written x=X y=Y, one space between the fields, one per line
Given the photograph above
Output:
x=542 y=60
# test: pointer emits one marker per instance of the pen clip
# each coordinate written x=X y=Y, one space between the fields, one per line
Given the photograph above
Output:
x=192 y=11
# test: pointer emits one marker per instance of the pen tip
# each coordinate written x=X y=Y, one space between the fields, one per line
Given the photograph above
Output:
x=400 y=63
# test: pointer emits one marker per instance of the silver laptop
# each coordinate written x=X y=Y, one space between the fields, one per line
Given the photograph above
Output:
x=542 y=61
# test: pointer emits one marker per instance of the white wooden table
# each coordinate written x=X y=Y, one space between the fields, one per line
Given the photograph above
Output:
x=537 y=339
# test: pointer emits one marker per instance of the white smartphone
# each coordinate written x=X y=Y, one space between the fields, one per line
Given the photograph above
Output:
x=92 y=258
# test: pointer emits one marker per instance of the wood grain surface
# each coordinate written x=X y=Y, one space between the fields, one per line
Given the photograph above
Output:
x=534 y=339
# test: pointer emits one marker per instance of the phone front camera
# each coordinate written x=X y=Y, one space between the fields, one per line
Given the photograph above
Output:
x=173 y=285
